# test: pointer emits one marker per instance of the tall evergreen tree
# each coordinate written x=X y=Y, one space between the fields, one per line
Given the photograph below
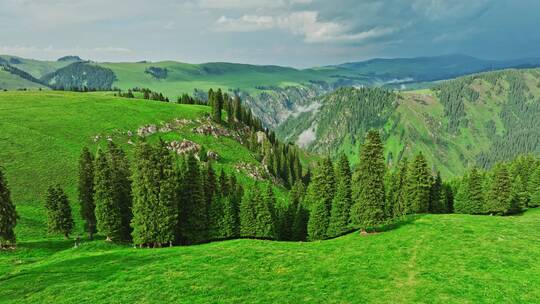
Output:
x=59 y=218
x=368 y=209
x=155 y=208
x=400 y=204
x=217 y=106
x=194 y=212
x=500 y=198
x=534 y=188
x=301 y=214
x=437 y=202
x=86 y=192
x=248 y=215
x=419 y=185
x=319 y=200
x=108 y=211
x=8 y=214
x=121 y=178
x=341 y=204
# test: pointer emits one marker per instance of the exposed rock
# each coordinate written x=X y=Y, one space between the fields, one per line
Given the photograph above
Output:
x=261 y=137
x=165 y=127
x=184 y=146
x=96 y=138
x=208 y=129
x=212 y=155
x=129 y=133
x=251 y=170
x=147 y=130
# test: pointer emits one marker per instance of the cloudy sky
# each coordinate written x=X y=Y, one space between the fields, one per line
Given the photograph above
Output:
x=298 y=33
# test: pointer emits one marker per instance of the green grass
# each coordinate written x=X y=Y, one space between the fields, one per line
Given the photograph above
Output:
x=433 y=259
x=44 y=132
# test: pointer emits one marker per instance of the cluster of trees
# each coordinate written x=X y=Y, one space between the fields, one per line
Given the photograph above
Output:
x=80 y=76
x=339 y=200
x=168 y=200
x=8 y=214
x=507 y=188
x=452 y=95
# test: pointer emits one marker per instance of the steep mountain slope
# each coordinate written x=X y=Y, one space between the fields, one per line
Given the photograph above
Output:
x=478 y=119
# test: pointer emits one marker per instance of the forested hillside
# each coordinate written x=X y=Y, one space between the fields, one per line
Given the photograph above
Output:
x=473 y=120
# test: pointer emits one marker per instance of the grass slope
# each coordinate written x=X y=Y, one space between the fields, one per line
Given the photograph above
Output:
x=9 y=81
x=434 y=259
x=43 y=133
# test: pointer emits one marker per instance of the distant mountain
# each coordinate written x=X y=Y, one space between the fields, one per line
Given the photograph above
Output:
x=274 y=93
x=473 y=120
x=423 y=69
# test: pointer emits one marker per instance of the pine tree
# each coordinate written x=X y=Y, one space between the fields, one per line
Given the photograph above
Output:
x=534 y=188
x=108 y=211
x=266 y=215
x=368 y=209
x=319 y=200
x=437 y=202
x=400 y=204
x=121 y=178
x=217 y=106
x=301 y=214
x=499 y=198
x=194 y=212
x=248 y=215
x=419 y=185
x=520 y=195
x=86 y=192
x=341 y=204
x=230 y=225
x=8 y=214
x=155 y=213
x=59 y=219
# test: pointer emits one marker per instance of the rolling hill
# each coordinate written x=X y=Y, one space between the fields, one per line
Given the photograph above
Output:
x=477 y=119
x=273 y=92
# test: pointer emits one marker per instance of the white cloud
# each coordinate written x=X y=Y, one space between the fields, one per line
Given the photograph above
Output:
x=251 y=4
x=303 y=23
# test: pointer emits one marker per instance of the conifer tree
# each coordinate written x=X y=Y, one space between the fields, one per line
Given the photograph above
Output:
x=230 y=225
x=223 y=184
x=155 y=213
x=400 y=204
x=368 y=209
x=121 y=178
x=108 y=211
x=194 y=212
x=419 y=185
x=437 y=203
x=266 y=227
x=248 y=215
x=319 y=200
x=534 y=188
x=301 y=214
x=499 y=197
x=86 y=192
x=520 y=195
x=341 y=204
x=217 y=106
x=59 y=218
x=8 y=214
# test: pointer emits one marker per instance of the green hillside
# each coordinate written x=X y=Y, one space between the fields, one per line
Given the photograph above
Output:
x=10 y=82
x=443 y=258
x=44 y=132
x=36 y=68
x=478 y=119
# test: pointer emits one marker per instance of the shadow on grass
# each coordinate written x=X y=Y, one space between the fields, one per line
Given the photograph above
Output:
x=390 y=225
